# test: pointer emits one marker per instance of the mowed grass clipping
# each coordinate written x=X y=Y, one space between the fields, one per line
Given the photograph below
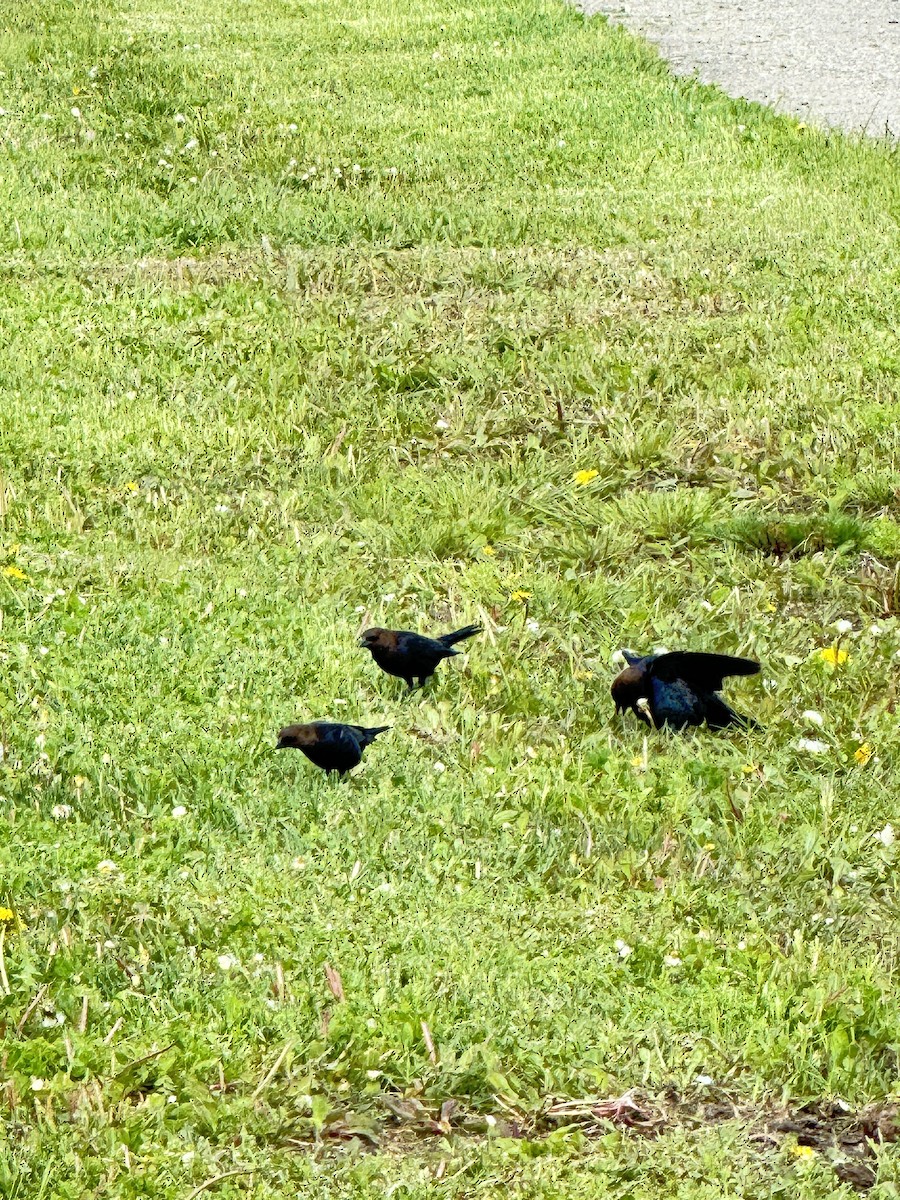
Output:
x=316 y=317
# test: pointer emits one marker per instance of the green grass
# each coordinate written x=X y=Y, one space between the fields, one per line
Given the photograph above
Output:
x=246 y=408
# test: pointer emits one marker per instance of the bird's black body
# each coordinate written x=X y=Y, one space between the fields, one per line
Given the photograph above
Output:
x=329 y=745
x=411 y=656
x=680 y=688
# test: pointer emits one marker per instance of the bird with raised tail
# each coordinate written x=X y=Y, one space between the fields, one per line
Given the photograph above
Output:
x=412 y=656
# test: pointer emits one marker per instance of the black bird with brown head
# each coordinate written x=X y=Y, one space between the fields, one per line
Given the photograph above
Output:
x=680 y=688
x=328 y=744
x=411 y=656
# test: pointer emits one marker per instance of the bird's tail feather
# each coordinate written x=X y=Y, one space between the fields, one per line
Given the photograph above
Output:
x=371 y=734
x=719 y=715
x=459 y=635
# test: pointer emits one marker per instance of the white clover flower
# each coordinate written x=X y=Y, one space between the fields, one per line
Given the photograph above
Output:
x=814 y=718
x=76 y=113
x=179 y=811
x=885 y=836
x=532 y=626
x=38 y=1084
x=106 y=866
x=225 y=961
x=442 y=424
x=180 y=119
x=703 y=1080
x=222 y=508
x=439 y=768
x=61 y=812
x=672 y=960
x=876 y=630
x=843 y=627
x=812 y=745
x=622 y=948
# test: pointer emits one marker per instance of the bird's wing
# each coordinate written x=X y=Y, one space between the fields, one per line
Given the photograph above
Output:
x=704 y=672
x=424 y=647
x=674 y=702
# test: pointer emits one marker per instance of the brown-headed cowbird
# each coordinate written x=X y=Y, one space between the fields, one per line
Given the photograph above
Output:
x=679 y=688
x=411 y=656
x=331 y=746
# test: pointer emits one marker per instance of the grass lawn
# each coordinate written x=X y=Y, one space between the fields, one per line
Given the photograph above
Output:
x=317 y=316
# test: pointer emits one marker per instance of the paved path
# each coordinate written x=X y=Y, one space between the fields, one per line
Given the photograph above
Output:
x=834 y=63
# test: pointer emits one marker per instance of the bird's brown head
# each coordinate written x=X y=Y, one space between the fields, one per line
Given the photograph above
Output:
x=627 y=688
x=377 y=639
x=295 y=737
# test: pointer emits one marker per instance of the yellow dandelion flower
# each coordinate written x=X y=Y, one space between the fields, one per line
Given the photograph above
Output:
x=748 y=768
x=14 y=573
x=584 y=477
x=834 y=655
x=520 y=597
x=7 y=914
x=863 y=753
x=488 y=550
x=131 y=486
x=803 y=1152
